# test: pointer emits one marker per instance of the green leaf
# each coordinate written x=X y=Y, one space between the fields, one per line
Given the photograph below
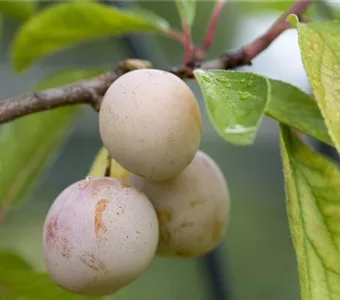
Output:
x=313 y=204
x=11 y=261
x=18 y=9
x=291 y=106
x=66 y=24
x=32 y=286
x=288 y=104
x=235 y=101
x=320 y=51
x=187 y=11
x=28 y=143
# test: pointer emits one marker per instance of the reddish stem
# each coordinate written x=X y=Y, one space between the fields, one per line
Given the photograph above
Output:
x=210 y=35
x=253 y=49
x=175 y=35
x=188 y=45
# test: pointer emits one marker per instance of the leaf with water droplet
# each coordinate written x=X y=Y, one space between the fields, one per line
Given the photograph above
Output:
x=320 y=51
x=235 y=108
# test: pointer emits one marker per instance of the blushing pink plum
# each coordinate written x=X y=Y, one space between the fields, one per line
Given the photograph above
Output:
x=99 y=235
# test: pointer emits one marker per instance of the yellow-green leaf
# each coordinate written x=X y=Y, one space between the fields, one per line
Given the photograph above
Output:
x=313 y=204
x=320 y=51
x=63 y=25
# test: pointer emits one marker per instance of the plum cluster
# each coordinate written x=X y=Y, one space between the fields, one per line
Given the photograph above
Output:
x=168 y=198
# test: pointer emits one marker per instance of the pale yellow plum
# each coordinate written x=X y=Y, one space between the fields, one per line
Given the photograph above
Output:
x=192 y=208
x=99 y=235
x=150 y=123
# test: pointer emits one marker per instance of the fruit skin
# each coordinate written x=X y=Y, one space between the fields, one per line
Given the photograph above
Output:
x=150 y=123
x=193 y=208
x=99 y=235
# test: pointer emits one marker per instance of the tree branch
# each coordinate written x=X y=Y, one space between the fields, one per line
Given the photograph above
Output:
x=91 y=91
x=84 y=92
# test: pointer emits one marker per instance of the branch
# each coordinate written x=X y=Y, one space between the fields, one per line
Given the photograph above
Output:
x=84 y=92
x=91 y=91
x=252 y=50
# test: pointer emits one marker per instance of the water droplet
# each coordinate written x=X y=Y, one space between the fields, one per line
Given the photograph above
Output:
x=237 y=128
x=245 y=96
x=224 y=81
x=206 y=79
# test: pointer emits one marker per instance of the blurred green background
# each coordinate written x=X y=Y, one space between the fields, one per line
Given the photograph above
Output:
x=257 y=252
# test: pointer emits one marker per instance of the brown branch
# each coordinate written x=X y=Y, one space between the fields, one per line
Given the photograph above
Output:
x=84 y=92
x=91 y=91
x=252 y=50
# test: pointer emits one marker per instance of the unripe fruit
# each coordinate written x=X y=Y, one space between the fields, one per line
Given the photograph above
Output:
x=150 y=123
x=192 y=209
x=99 y=235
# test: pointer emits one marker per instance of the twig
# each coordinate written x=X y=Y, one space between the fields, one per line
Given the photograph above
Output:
x=252 y=50
x=188 y=45
x=108 y=165
x=175 y=35
x=91 y=91
x=209 y=38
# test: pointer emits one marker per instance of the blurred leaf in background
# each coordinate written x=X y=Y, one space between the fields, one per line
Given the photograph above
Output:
x=10 y=261
x=18 y=285
x=27 y=144
x=65 y=24
x=21 y=10
x=250 y=6
x=187 y=11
